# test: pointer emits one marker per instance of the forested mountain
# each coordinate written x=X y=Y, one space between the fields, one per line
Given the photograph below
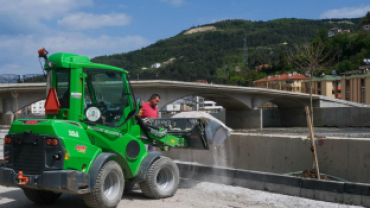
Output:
x=209 y=50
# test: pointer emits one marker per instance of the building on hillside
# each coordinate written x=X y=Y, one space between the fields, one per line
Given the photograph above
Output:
x=288 y=82
x=327 y=85
x=38 y=107
x=366 y=27
x=354 y=72
x=202 y=81
x=155 y=66
x=259 y=67
x=237 y=69
x=333 y=32
x=144 y=68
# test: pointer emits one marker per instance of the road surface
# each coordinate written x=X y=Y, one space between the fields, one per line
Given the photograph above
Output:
x=191 y=194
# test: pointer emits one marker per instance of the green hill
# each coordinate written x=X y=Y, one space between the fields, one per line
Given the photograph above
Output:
x=209 y=49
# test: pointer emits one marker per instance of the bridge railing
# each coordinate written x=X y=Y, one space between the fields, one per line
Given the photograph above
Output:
x=37 y=78
x=33 y=78
x=27 y=78
x=10 y=78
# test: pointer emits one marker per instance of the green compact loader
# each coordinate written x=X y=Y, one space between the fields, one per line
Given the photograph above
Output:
x=92 y=142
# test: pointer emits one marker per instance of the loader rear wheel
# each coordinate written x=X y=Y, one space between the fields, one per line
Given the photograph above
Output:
x=108 y=189
x=41 y=197
x=162 y=179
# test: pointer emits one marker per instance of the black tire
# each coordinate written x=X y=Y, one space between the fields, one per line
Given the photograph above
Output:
x=162 y=179
x=108 y=189
x=129 y=186
x=41 y=197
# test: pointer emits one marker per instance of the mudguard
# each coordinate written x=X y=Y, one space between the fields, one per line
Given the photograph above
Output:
x=144 y=166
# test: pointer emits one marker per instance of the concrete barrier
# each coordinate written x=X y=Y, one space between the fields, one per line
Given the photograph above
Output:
x=240 y=119
x=323 y=190
x=347 y=158
x=323 y=117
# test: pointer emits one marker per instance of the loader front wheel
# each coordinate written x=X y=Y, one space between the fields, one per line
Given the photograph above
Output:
x=108 y=189
x=162 y=179
x=41 y=197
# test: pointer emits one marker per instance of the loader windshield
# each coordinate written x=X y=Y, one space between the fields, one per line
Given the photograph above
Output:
x=106 y=90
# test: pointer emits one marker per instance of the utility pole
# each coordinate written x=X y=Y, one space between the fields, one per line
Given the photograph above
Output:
x=245 y=56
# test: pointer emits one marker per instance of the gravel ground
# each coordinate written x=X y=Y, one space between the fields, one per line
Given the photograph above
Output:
x=191 y=194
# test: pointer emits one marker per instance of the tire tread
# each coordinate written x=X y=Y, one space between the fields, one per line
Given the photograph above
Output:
x=93 y=199
x=147 y=186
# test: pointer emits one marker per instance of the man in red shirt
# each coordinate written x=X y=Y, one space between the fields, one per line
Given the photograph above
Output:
x=150 y=110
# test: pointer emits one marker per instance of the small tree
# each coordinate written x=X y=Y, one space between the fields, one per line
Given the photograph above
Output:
x=312 y=58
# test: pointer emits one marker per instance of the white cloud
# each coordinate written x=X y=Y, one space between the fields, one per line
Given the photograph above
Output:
x=346 y=12
x=23 y=32
x=21 y=51
x=175 y=3
x=23 y=16
x=84 y=21
x=37 y=9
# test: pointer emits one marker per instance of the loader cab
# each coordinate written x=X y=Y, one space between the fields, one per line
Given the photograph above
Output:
x=95 y=94
x=106 y=97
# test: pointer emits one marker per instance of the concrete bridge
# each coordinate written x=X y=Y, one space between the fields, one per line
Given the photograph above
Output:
x=239 y=102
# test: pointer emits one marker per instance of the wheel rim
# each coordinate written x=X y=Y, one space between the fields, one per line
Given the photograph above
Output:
x=165 y=179
x=111 y=186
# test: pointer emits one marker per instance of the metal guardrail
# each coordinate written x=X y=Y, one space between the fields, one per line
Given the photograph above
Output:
x=33 y=78
x=10 y=78
x=27 y=78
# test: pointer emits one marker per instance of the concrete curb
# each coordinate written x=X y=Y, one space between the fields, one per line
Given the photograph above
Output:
x=330 y=191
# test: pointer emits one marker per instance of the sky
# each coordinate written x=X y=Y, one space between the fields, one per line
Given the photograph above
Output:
x=97 y=27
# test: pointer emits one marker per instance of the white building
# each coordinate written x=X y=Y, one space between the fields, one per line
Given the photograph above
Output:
x=207 y=105
x=38 y=107
x=333 y=32
x=156 y=65
x=211 y=107
x=193 y=103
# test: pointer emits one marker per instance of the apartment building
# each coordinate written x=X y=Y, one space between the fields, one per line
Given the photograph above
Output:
x=38 y=107
x=327 y=85
x=356 y=88
x=288 y=82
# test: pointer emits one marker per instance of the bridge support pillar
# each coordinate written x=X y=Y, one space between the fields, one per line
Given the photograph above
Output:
x=244 y=119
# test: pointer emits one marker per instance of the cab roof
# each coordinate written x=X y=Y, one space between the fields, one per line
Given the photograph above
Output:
x=70 y=60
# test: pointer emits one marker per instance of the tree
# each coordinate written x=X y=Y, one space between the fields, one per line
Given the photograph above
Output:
x=323 y=33
x=283 y=60
x=311 y=58
x=365 y=19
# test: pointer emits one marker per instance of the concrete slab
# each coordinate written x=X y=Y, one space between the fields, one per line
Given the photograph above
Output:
x=352 y=199
x=366 y=201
